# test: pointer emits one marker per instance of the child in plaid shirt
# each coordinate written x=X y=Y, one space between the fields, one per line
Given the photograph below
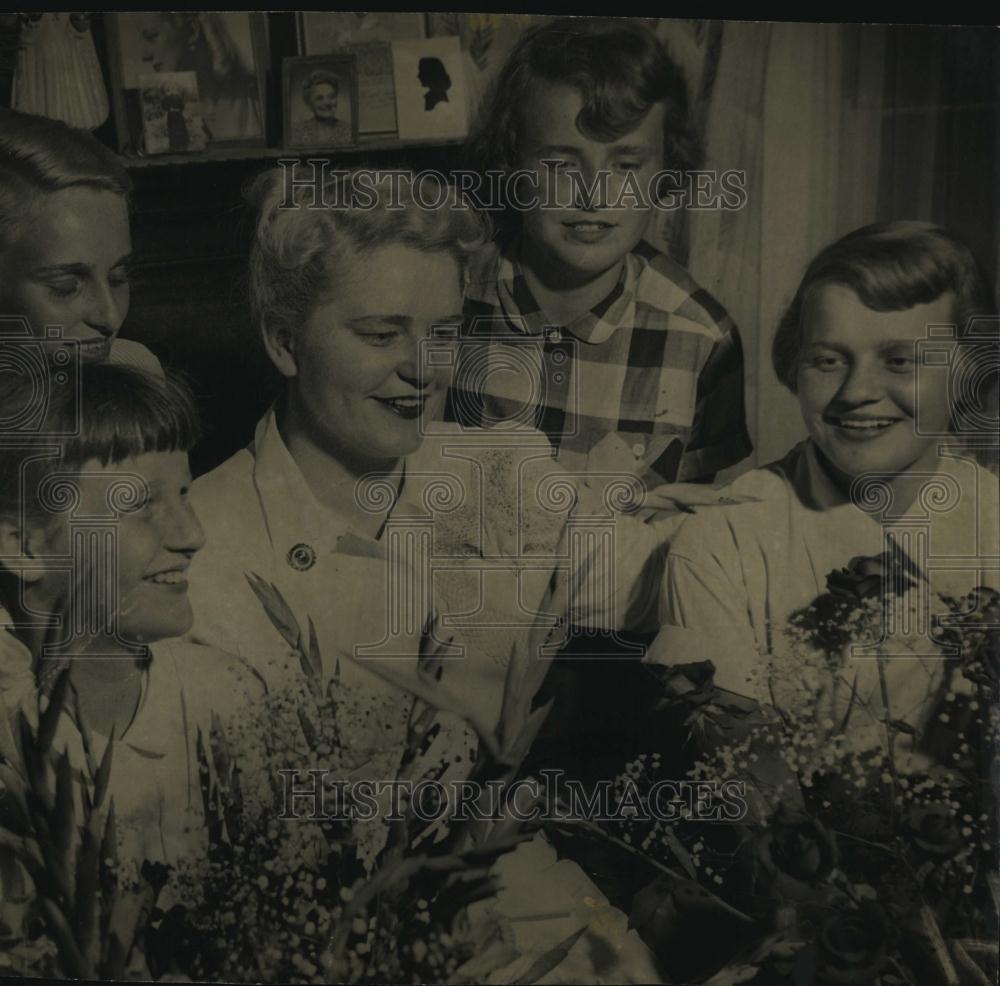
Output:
x=573 y=324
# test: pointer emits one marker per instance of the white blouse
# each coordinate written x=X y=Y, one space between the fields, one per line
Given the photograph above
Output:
x=736 y=574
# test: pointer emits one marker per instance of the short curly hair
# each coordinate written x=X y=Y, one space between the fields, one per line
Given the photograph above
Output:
x=301 y=246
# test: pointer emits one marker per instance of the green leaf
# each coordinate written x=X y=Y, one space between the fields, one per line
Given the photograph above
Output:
x=64 y=820
x=103 y=776
x=312 y=659
x=278 y=611
x=109 y=843
x=36 y=765
x=49 y=719
x=9 y=749
x=86 y=737
x=145 y=754
x=107 y=863
x=88 y=871
x=679 y=852
x=114 y=958
x=547 y=962
x=529 y=664
x=72 y=962
x=516 y=753
x=13 y=809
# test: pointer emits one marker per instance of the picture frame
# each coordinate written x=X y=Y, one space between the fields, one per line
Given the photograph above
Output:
x=227 y=51
x=171 y=113
x=319 y=101
x=429 y=79
x=323 y=32
x=369 y=36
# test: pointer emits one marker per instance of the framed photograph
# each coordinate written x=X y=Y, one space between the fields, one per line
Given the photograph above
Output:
x=171 y=113
x=430 y=88
x=320 y=101
x=367 y=35
x=226 y=51
x=323 y=32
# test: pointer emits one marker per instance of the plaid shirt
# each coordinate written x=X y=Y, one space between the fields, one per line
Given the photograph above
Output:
x=650 y=381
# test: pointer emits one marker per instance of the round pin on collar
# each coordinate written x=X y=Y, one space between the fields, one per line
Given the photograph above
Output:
x=302 y=557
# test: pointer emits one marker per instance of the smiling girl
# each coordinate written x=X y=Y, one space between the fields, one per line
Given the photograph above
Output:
x=96 y=536
x=850 y=348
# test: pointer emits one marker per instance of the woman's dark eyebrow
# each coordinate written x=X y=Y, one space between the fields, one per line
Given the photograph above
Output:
x=558 y=149
x=399 y=321
x=635 y=149
x=72 y=268
x=830 y=346
x=895 y=346
x=80 y=268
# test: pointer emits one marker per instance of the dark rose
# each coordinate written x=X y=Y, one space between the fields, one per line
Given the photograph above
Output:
x=934 y=830
x=797 y=852
x=828 y=621
x=869 y=577
x=851 y=950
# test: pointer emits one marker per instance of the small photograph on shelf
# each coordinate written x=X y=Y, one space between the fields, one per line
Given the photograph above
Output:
x=366 y=34
x=320 y=101
x=430 y=89
x=171 y=113
x=226 y=51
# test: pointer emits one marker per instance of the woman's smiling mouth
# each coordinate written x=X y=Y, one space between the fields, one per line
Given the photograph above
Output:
x=174 y=578
x=410 y=407
x=588 y=230
x=861 y=427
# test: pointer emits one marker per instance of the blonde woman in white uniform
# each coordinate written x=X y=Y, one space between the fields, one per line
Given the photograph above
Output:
x=347 y=300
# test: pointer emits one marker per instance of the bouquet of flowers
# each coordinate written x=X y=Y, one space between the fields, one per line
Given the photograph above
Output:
x=852 y=836
x=275 y=897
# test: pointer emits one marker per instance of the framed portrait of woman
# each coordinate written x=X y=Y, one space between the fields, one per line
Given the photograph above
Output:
x=319 y=101
x=226 y=51
x=368 y=35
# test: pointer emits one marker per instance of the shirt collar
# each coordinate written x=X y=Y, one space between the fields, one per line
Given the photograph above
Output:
x=948 y=479
x=598 y=325
x=295 y=520
x=300 y=528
